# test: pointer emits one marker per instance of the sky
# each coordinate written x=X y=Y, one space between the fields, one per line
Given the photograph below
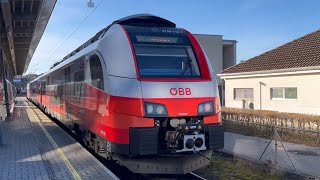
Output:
x=257 y=25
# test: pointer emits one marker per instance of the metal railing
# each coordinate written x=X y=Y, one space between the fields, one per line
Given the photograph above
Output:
x=293 y=149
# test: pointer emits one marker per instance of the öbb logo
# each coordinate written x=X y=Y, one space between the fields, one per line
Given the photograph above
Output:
x=180 y=91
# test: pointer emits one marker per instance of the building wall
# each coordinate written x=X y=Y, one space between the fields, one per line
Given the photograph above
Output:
x=229 y=56
x=222 y=54
x=212 y=45
x=308 y=93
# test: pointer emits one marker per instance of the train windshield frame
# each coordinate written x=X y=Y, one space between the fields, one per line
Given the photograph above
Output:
x=163 y=53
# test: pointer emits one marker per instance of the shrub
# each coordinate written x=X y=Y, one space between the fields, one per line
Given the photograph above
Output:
x=292 y=127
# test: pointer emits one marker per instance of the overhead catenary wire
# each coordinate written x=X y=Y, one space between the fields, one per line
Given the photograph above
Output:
x=62 y=43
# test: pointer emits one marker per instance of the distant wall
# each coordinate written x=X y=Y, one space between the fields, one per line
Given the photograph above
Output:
x=229 y=54
x=212 y=45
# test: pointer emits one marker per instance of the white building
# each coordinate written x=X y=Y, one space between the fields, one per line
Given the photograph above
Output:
x=285 y=79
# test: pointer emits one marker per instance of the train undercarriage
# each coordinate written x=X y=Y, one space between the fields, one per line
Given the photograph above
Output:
x=174 y=146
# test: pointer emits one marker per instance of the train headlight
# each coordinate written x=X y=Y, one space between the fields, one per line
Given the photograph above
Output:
x=155 y=110
x=160 y=110
x=206 y=108
x=201 y=108
x=149 y=109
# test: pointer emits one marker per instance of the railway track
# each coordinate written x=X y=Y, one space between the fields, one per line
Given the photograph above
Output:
x=188 y=176
x=196 y=176
x=122 y=172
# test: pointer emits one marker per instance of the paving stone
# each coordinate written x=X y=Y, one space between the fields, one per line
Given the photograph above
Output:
x=28 y=154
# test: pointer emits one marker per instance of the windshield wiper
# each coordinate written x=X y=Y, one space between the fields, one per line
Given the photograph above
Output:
x=186 y=67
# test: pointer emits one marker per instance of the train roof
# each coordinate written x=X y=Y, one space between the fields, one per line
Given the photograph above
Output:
x=145 y=20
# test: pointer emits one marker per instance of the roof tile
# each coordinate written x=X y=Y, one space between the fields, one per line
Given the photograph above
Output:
x=302 y=52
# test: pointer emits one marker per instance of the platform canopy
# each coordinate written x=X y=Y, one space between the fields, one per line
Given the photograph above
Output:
x=22 y=23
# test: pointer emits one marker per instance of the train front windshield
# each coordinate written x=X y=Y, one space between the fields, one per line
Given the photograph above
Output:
x=163 y=53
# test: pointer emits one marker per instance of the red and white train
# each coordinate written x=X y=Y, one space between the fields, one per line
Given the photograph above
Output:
x=141 y=92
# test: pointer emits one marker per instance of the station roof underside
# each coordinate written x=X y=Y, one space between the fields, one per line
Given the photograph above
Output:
x=22 y=23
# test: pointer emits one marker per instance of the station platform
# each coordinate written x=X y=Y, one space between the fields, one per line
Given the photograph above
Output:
x=34 y=147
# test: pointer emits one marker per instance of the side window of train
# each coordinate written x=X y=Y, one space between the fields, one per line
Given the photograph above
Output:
x=96 y=72
x=43 y=86
x=48 y=83
x=79 y=76
x=67 y=74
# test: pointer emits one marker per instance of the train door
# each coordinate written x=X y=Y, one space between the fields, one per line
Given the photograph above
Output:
x=87 y=93
x=42 y=92
x=95 y=96
x=38 y=97
x=67 y=94
x=1 y=93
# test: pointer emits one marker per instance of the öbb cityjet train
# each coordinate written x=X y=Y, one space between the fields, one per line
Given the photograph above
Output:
x=141 y=92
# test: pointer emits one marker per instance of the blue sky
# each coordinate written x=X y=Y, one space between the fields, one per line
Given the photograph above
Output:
x=257 y=25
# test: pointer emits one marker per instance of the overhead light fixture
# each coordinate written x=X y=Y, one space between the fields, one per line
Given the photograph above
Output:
x=90 y=4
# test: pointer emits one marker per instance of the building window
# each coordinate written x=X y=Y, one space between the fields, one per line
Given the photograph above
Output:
x=243 y=93
x=284 y=93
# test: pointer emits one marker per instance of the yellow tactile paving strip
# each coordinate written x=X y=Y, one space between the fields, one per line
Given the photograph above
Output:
x=34 y=117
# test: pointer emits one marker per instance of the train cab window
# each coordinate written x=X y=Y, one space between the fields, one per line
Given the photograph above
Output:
x=163 y=53
x=166 y=61
x=96 y=72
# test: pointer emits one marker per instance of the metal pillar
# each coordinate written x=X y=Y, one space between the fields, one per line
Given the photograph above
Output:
x=1 y=69
x=1 y=142
x=5 y=88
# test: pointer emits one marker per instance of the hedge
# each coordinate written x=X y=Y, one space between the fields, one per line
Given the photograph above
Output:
x=292 y=127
